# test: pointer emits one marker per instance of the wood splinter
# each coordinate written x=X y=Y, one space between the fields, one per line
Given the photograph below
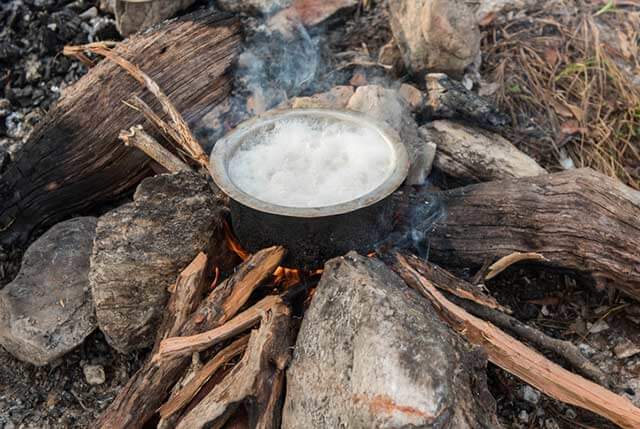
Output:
x=138 y=138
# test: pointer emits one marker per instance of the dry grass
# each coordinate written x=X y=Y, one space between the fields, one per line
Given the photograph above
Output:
x=566 y=72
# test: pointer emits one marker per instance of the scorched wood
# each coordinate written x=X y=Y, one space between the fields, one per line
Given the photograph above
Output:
x=578 y=220
x=73 y=161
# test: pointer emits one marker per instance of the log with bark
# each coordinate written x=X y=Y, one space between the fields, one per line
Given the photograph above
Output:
x=150 y=386
x=578 y=220
x=74 y=162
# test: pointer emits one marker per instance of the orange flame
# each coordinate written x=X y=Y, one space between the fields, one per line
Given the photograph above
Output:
x=283 y=277
x=233 y=244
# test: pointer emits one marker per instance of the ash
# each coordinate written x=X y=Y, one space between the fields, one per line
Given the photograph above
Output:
x=33 y=73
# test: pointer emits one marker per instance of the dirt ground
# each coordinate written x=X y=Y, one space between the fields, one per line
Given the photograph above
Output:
x=604 y=325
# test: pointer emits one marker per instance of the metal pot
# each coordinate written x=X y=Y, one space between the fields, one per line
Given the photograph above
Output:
x=311 y=235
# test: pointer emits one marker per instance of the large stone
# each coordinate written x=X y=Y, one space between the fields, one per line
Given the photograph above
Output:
x=372 y=353
x=475 y=155
x=435 y=35
x=47 y=310
x=141 y=247
x=387 y=105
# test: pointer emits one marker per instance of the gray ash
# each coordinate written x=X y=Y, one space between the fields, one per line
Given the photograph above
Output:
x=33 y=72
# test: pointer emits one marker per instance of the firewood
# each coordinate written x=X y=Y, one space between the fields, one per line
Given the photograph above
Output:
x=522 y=361
x=138 y=138
x=506 y=261
x=179 y=346
x=256 y=381
x=565 y=349
x=578 y=220
x=73 y=161
x=149 y=387
x=183 y=396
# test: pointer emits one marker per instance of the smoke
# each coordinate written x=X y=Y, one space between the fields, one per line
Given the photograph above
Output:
x=275 y=66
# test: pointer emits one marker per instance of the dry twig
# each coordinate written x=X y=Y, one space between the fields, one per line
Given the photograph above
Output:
x=506 y=261
x=186 y=139
x=138 y=138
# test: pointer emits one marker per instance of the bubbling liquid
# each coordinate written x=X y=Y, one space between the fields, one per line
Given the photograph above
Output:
x=305 y=163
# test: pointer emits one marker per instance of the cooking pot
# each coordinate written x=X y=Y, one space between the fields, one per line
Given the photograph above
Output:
x=311 y=235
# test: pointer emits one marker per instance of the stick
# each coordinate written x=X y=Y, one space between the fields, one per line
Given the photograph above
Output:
x=145 y=392
x=186 y=140
x=180 y=346
x=182 y=398
x=137 y=137
x=137 y=104
x=564 y=349
x=522 y=361
x=506 y=261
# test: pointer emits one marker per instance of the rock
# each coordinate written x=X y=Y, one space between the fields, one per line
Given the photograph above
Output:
x=475 y=155
x=47 y=311
x=372 y=353
x=141 y=247
x=336 y=98
x=133 y=16
x=94 y=374
x=626 y=349
x=264 y=7
x=386 y=105
x=530 y=394
x=412 y=95
x=450 y=99
x=309 y=13
x=435 y=35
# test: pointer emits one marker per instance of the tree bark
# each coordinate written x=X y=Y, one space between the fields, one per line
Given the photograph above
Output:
x=578 y=220
x=74 y=162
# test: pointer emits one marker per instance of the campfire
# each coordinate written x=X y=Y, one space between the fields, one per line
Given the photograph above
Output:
x=306 y=214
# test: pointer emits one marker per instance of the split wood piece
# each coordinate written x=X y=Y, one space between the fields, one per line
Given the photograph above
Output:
x=256 y=381
x=183 y=396
x=579 y=220
x=180 y=346
x=506 y=261
x=73 y=161
x=522 y=361
x=186 y=139
x=565 y=349
x=446 y=281
x=149 y=387
x=449 y=99
x=138 y=138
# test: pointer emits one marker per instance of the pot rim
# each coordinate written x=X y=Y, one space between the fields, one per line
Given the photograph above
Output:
x=227 y=145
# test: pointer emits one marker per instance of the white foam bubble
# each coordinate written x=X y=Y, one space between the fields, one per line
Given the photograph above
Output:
x=300 y=163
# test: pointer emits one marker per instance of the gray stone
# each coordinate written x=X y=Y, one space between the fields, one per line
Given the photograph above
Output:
x=435 y=35
x=475 y=155
x=371 y=352
x=46 y=311
x=134 y=16
x=387 y=105
x=141 y=247
x=530 y=394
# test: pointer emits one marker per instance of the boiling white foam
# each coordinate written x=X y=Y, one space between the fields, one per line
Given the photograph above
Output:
x=300 y=163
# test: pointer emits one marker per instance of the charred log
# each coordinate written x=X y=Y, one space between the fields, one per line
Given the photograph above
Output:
x=74 y=162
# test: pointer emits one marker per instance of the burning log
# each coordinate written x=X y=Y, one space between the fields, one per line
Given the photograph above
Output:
x=73 y=161
x=522 y=361
x=578 y=220
x=148 y=388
